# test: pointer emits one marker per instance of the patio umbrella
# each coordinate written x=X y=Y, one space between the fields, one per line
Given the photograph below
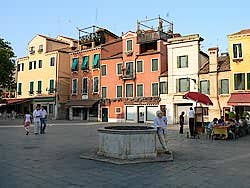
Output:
x=198 y=98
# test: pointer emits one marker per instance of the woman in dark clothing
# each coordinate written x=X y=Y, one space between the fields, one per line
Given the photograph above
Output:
x=181 y=122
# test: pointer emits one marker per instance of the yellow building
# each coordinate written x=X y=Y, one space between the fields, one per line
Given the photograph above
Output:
x=214 y=79
x=239 y=49
x=43 y=77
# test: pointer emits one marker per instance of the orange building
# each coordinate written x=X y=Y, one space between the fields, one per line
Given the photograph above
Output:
x=130 y=84
x=85 y=73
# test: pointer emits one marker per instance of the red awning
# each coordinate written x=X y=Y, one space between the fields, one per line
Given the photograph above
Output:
x=16 y=101
x=239 y=99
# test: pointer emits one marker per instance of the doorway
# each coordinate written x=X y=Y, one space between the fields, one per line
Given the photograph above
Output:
x=104 y=114
x=141 y=112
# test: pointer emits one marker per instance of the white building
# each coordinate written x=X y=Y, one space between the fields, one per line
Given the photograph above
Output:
x=184 y=61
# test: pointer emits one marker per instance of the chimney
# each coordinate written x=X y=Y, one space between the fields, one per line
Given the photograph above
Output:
x=92 y=44
x=213 y=59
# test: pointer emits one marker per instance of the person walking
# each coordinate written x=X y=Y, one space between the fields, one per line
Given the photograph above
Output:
x=160 y=124
x=181 y=122
x=37 y=116
x=191 y=115
x=27 y=122
x=43 y=120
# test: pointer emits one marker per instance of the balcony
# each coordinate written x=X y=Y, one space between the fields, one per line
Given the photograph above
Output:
x=127 y=76
x=151 y=36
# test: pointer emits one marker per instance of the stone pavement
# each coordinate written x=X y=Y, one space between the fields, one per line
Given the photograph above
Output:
x=52 y=160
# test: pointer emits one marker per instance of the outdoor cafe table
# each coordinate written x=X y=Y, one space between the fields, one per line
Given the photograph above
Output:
x=221 y=130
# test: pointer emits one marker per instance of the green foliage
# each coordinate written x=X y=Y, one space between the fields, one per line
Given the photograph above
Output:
x=7 y=65
x=231 y=115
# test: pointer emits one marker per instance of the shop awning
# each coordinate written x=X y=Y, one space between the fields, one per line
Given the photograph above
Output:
x=82 y=103
x=74 y=64
x=16 y=101
x=239 y=99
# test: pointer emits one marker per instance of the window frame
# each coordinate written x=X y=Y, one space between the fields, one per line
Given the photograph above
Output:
x=132 y=90
x=72 y=88
x=142 y=61
x=52 y=63
x=39 y=91
x=127 y=45
x=106 y=69
x=120 y=110
x=40 y=63
x=51 y=89
x=152 y=64
x=19 y=89
x=208 y=86
x=97 y=84
x=83 y=93
x=132 y=75
x=83 y=58
x=238 y=57
x=244 y=84
x=152 y=89
x=121 y=91
x=31 y=83
x=142 y=89
x=163 y=82
x=30 y=65
x=106 y=92
x=179 y=65
x=99 y=61
x=220 y=86
x=178 y=84
x=117 y=69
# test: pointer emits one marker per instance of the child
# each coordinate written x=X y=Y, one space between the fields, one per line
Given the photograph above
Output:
x=27 y=122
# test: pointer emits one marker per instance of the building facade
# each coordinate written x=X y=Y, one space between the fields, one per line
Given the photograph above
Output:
x=131 y=87
x=43 y=77
x=214 y=81
x=85 y=74
x=184 y=61
x=239 y=50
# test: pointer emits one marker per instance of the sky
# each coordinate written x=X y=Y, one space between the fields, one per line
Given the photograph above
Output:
x=21 y=20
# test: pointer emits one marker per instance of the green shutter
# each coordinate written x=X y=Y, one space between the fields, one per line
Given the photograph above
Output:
x=234 y=50
x=74 y=86
x=178 y=62
x=31 y=87
x=248 y=81
x=208 y=87
x=177 y=85
x=240 y=50
x=85 y=63
x=39 y=86
x=19 y=88
x=235 y=82
x=96 y=61
x=75 y=64
x=220 y=87
x=51 y=86
x=188 y=84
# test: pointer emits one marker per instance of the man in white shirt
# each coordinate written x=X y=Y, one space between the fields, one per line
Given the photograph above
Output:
x=191 y=121
x=160 y=123
x=43 y=120
x=37 y=116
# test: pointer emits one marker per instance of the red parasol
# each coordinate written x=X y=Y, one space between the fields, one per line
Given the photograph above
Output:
x=198 y=97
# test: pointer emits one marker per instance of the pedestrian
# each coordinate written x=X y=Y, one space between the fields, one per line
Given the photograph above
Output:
x=161 y=125
x=181 y=122
x=191 y=115
x=43 y=120
x=27 y=122
x=13 y=114
x=37 y=116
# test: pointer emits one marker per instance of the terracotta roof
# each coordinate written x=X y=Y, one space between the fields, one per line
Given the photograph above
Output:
x=223 y=65
x=242 y=32
x=52 y=39
x=68 y=38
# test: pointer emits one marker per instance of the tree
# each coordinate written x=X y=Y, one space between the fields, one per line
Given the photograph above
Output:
x=7 y=66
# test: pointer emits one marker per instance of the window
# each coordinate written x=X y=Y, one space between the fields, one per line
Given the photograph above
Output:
x=96 y=61
x=85 y=63
x=30 y=65
x=40 y=64
x=34 y=64
x=163 y=88
x=239 y=81
x=154 y=65
x=154 y=89
x=205 y=87
x=182 y=61
x=183 y=85
x=51 y=86
x=18 y=67
x=31 y=88
x=22 y=66
x=237 y=51
x=129 y=69
x=139 y=66
x=104 y=92
x=74 y=64
x=118 y=91
x=40 y=49
x=129 y=45
x=129 y=90
x=32 y=49
x=19 y=89
x=39 y=87
x=52 y=61
x=74 y=86
x=248 y=81
x=85 y=86
x=104 y=70
x=139 y=90
x=224 y=86
x=119 y=68
x=96 y=85
x=118 y=110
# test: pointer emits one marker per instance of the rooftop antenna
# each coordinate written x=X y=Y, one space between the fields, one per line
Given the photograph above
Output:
x=96 y=15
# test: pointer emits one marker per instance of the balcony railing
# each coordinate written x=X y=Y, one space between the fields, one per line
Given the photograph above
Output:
x=150 y=36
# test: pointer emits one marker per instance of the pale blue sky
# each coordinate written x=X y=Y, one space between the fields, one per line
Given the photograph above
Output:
x=21 y=20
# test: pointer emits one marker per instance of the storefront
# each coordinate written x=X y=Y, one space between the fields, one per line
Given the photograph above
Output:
x=240 y=102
